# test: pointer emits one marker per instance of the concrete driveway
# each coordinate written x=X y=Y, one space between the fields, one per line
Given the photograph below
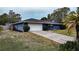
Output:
x=55 y=36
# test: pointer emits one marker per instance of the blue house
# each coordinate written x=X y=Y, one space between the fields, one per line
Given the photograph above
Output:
x=53 y=25
x=37 y=25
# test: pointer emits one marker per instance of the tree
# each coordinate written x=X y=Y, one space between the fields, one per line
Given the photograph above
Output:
x=74 y=16
x=77 y=24
x=72 y=12
x=59 y=14
x=9 y=18
x=77 y=10
x=70 y=17
x=64 y=11
x=3 y=19
x=44 y=18
x=15 y=18
x=49 y=17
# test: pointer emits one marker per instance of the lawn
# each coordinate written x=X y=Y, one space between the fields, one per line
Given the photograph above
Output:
x=72 y=32
x=25 y=41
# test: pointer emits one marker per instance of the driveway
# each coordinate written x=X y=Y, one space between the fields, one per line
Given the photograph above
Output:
x=55 y=36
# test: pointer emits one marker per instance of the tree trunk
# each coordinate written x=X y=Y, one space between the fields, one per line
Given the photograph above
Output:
x=77 y=31
x=77 y=28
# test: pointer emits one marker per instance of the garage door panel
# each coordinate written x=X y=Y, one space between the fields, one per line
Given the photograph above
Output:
x=35 y=27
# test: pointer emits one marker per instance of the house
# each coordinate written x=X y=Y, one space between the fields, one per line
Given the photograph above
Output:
x=36 y=25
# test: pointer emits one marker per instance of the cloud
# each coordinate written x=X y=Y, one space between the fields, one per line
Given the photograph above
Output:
x=30 y=12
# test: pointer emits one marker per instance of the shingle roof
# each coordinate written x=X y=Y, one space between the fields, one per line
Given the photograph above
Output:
x=37 y=22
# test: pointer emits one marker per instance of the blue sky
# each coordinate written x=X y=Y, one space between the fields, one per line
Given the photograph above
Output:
x=31 y=12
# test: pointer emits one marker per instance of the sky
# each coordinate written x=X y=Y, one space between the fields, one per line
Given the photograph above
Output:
x=31 y=12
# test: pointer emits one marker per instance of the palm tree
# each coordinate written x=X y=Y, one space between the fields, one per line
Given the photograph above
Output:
x=74 y=16
x=77 y=24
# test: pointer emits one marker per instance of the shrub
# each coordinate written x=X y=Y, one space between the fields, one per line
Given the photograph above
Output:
x=62 y=27
x=70 y=46
x=26 y=28
x=45 y=27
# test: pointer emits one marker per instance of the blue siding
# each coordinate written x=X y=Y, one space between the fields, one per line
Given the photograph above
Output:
x=19 y=27
x=54 y=27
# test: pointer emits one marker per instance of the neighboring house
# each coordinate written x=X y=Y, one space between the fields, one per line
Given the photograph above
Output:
x=36 y=25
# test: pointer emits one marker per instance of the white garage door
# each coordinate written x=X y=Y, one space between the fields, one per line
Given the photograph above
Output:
x=35 y=27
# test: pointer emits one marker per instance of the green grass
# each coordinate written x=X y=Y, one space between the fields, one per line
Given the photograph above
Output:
x=65 y=32
x=18 y=41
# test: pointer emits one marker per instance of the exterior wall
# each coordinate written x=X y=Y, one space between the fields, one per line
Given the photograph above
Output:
x=19 y=27
x=35 y=27
x=53 y=27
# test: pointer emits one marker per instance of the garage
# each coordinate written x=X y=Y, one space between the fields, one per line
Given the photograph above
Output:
x=35 y=27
